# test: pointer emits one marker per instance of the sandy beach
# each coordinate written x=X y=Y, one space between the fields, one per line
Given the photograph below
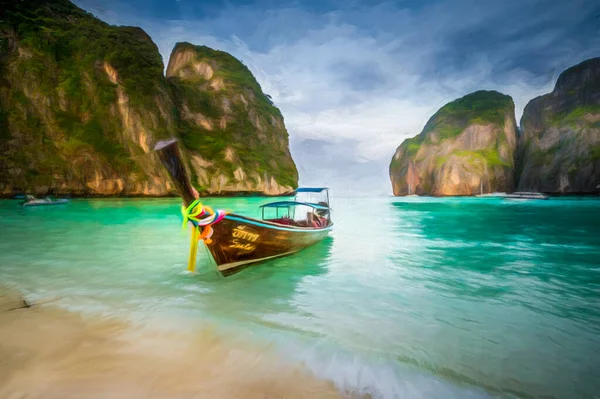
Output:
x=50 y=353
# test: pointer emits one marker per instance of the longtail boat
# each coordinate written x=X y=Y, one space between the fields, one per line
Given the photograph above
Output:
x=236 y=241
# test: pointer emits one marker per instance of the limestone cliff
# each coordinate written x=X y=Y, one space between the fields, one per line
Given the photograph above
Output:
x=236 y=136
x=559 y=149
x=83 y=102
x=466 y=148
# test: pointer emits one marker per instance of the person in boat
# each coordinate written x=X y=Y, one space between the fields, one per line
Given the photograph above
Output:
x=324 y=213
x=318 y=217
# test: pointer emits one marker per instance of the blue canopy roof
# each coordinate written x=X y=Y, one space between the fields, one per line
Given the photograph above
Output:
x=281 y=204
x=310 y=189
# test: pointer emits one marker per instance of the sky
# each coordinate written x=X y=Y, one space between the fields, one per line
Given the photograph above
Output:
x=353 y=79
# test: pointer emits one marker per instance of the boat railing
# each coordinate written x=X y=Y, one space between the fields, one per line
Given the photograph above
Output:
x=318 y=216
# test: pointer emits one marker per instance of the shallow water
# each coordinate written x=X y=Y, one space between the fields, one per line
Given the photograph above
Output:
x=408 y=297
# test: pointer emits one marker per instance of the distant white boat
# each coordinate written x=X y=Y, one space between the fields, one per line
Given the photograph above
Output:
x=30 y=200
x=494 y=194
x=526 y=195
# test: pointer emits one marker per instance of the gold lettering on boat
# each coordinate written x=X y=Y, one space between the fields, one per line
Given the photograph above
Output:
x=243 y=238
x=243 y=233
x=245 y=246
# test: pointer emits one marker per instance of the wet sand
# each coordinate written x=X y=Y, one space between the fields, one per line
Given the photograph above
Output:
x=50 y=353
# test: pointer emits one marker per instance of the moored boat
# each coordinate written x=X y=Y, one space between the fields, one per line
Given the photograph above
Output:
x=30 y=200
x=492 y=195
x=526 y=195
x=237 y=241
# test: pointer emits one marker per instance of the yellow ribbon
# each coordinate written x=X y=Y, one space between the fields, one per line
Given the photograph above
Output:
x=202 y=230
x=193 y=249
x=191 y=213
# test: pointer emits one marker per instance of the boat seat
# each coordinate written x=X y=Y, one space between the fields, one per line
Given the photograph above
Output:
x=284 y=220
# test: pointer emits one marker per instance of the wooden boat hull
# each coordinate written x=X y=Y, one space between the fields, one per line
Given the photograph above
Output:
x=239 y=241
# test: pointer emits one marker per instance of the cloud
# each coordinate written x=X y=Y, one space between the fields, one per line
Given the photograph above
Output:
x=358 y=78
x=340 y=164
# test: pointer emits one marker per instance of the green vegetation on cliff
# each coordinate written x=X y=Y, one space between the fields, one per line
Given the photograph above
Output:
x=561 y=134
x=234 y=74
x=481 y=107
x=73 y=41
x=448 y=158
x=55 y=94
x=488 y=156
x=576 y=117
x=223 y=108
x=82 y=102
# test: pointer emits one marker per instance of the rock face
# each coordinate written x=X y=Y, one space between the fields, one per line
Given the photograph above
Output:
x=466 y=148
x=236 y=137
x=83 y=102
x=559 y=149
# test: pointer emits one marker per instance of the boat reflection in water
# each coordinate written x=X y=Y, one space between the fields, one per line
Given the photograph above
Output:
x=272 y=286
x=236 y=241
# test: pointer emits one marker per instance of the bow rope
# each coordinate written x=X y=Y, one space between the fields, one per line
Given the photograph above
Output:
x=202 y=218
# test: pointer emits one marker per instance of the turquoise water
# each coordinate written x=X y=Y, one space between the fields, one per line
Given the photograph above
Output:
x=408 y=297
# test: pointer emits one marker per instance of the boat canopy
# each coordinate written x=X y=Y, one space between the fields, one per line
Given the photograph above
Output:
x=283 y=204
x=310 y=189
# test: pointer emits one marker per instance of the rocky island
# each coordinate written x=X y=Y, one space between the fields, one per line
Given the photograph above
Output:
x=559 y=148
x=235 y=136
x=82 y=102
x=472 y=145
x=467 y=147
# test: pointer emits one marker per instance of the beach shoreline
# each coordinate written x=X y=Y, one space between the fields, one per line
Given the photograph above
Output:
x=48 y=352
